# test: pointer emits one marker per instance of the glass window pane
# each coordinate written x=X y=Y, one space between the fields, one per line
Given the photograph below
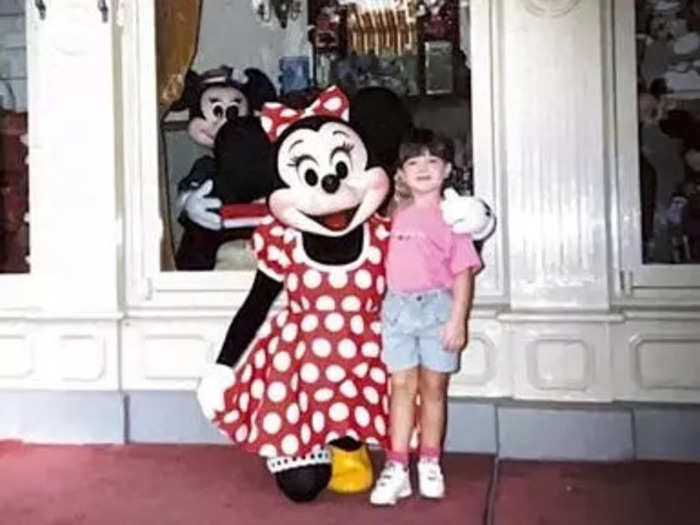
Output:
x=421 y=54
x=14 y=228
x=668 y=59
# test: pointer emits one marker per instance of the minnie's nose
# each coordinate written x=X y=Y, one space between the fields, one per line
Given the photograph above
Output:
x=330 y=183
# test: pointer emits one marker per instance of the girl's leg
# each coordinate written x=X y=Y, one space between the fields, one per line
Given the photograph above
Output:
x=404 y=386
x=433 y=406
x=432 y=387
x=393 y=482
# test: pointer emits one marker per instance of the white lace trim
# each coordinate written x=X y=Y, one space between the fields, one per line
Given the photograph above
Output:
x=282 y=463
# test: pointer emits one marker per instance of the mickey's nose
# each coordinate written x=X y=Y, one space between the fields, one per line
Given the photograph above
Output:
x=330 y=183
x=231 y=113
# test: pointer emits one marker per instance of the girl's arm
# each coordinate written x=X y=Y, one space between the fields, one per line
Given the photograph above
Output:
x=455 y=334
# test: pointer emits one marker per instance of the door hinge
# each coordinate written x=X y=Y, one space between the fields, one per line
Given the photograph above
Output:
x=104 y=10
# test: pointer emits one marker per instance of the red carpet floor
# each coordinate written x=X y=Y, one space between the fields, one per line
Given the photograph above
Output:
x=639 y=493
x=193 y=485
x=173 y=485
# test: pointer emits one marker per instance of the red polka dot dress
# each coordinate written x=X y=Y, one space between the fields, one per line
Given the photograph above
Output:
x=313 y=372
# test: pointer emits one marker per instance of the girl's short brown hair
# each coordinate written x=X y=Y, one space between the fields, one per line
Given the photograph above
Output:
x=419 y=140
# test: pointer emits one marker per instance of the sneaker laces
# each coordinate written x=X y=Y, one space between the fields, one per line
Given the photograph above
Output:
x=389 y=472
x=432 y=470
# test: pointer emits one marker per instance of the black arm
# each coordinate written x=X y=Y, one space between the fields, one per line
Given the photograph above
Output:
x=249 y=318
x=203 y=169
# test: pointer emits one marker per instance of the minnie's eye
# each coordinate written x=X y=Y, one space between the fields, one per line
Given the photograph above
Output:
x=218 y=111
x=341 y=169
x=340 y=158
x=310 y=177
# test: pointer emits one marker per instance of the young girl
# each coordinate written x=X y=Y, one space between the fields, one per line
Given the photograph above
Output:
x=430 y=275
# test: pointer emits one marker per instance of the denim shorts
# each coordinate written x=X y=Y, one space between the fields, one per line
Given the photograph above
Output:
x=411 y=328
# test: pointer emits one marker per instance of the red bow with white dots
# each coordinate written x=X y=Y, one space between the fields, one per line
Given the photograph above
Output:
x=276 y=117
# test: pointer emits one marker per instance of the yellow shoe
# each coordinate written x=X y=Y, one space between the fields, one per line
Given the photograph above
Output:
x=351 y=470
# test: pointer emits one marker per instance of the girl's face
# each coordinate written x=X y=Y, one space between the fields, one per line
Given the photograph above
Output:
x=425 y=173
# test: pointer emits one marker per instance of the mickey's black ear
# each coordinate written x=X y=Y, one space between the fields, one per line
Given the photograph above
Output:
x=258 y=89
x=189 y=99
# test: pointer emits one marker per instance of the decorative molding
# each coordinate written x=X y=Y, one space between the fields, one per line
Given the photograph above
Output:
x=571 y=367
x=176 y=356
x=482 y=345
x=17 y=357
x=561 y=361
x=654 y=367
x=84 y=357
x=656 y=360
x=553 y=316
x=550 y=8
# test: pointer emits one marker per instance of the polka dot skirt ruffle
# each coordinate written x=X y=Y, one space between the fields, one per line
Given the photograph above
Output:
x=313 y=372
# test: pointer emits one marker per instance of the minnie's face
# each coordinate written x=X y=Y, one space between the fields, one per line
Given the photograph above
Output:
x=329 y=189
x=215 y=103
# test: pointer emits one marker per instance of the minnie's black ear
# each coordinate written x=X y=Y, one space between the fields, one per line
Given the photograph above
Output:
x=258 y=89
x=244 y=161
x=189 y=99
x=381 y=119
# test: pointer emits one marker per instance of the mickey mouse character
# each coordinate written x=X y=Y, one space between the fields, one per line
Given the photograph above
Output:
x=312 y=378
x=223 y=116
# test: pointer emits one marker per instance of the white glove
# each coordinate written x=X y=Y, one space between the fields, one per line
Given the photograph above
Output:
x=210 y=392
x=197 y=206
x=466 y=214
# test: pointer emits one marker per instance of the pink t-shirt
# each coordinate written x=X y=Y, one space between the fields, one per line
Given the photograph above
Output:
x=424 y=253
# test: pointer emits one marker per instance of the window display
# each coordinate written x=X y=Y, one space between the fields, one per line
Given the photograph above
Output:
x=668 y=83
x=211 y=196
x=14 y=172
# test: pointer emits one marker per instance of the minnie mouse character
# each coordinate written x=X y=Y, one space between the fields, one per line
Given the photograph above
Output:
x=313 y=375
x=223 y=116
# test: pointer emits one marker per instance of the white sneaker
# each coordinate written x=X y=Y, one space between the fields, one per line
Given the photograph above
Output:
x=393 y=484
x=431 y=483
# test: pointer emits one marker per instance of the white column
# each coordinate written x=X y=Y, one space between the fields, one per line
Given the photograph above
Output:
x=555 y=153
x=552 y=82
x=74 y=215
x=67 y=338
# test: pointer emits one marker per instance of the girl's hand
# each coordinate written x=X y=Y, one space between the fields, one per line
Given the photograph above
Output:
x=454 y=335
x=466 y=214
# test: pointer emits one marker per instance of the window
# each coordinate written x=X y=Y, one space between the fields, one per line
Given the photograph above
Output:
x=18 y=62
x=14 y=172
x=658 y=150
x=427 y=58
x=668 y=84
